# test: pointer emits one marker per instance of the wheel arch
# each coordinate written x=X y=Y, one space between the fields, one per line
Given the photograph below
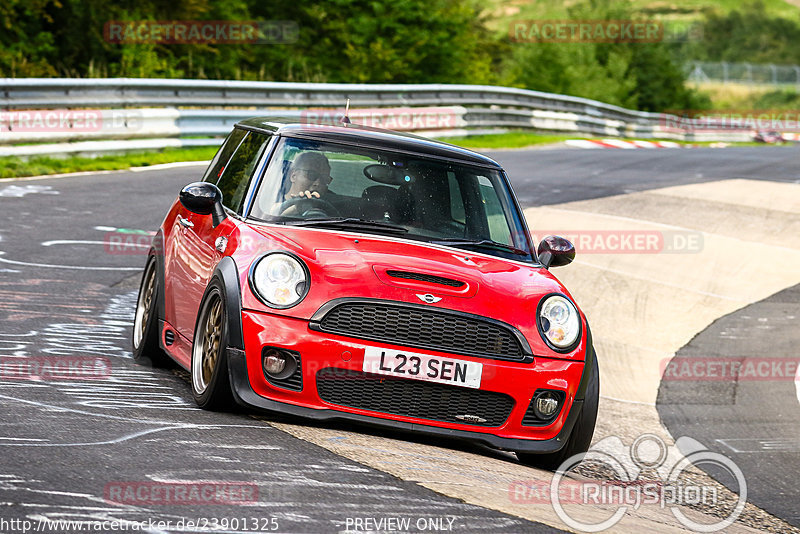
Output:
x=228 y=275
x=157 y=252
x=588 y=367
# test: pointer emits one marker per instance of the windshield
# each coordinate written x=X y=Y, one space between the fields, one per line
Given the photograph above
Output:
x=313 y=183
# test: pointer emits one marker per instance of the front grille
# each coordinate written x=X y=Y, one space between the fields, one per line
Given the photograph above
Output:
x=413 y=398
x=424 y=328
x=431 y=279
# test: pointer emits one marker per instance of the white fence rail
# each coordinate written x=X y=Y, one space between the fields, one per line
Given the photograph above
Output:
x=748 y=73
x=122 y=114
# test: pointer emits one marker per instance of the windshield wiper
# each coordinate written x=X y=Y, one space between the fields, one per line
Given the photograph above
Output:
x=351 y=223
x=483 y=243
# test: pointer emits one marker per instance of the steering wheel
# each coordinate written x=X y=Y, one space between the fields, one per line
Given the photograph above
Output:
x=309 y=208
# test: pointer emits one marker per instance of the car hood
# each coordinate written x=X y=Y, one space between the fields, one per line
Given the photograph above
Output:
x=354 y=265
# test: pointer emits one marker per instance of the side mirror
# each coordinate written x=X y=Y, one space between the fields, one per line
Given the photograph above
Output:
x=203 y=198
x=555 y=251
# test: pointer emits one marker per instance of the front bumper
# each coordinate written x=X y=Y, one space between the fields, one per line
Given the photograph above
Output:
x=323 y=351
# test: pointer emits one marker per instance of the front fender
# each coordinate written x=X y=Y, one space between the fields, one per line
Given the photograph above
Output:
x=228 y=274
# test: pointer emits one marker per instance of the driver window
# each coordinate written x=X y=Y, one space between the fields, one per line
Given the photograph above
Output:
x=223 y=155
x=236 y=175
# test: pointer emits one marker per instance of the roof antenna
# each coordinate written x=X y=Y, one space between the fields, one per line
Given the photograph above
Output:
x=346 y=119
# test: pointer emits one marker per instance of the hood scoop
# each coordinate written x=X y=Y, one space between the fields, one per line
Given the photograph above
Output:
x=427 y=278
x=426 y=281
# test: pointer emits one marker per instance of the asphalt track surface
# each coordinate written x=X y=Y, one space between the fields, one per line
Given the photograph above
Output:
x=755 y=422
x=68 y=446
x=542 y=177
x=65 y=291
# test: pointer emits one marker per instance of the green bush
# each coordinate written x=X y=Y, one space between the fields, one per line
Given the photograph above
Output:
x=634 y=75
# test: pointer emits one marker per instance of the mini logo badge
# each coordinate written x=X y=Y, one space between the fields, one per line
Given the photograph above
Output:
x=471 y=418
x=428 y=298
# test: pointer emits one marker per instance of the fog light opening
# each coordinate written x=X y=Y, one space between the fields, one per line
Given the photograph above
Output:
x=546 y=405
x=278 y=364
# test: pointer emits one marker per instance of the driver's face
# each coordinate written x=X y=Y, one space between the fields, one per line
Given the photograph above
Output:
x=310 y=177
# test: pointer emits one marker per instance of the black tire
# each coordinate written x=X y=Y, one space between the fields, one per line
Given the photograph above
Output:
x=145 y=338
x=581 y=436
x=211 y=386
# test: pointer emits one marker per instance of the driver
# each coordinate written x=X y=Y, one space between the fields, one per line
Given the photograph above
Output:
x=308 y=177
x=309 y=174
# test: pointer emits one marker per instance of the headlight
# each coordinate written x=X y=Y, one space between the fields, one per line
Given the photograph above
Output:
x=559 y=322
x=279 y=279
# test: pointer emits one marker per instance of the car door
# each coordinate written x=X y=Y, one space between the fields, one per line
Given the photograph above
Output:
x=196 y=252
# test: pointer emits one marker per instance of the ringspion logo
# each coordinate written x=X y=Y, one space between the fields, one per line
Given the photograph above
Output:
x=646 y=473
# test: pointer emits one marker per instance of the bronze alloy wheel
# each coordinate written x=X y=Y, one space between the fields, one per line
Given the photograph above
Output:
x=207 y=346
x=144 y=306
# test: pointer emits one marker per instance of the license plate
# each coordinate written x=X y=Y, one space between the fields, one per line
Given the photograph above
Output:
x=423 y=367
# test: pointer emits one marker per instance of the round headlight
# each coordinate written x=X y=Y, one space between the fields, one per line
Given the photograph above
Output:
x=279 y=280
x=559 y=321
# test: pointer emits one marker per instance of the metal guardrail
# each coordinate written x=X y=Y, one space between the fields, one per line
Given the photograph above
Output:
x=124 y=109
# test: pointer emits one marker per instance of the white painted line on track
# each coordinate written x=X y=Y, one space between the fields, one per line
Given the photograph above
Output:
x=159 y=167
x=76 y=267
x=797 y=383
x=173 y=165
x=88 y=242
x=626 y=401
x=757 y=445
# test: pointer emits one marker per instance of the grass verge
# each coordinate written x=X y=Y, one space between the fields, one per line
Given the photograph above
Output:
x=507 y=140
x=11 y=167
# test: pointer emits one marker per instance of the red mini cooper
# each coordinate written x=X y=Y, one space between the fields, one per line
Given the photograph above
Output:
x=345 y=272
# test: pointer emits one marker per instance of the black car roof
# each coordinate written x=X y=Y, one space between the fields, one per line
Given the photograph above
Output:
x=365 y=135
